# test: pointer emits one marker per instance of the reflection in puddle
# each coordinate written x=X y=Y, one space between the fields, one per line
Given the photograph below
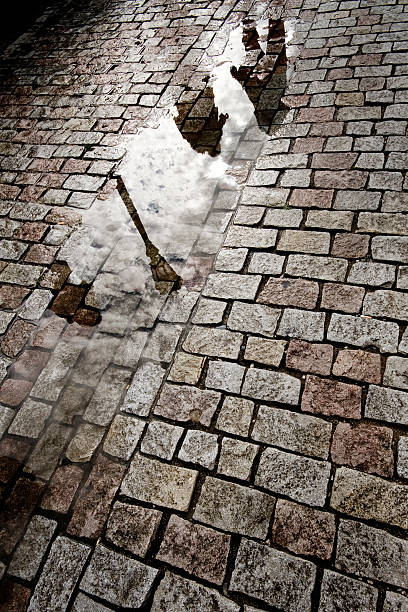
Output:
x=256 y=57
x=174 y=182
x=165 y=278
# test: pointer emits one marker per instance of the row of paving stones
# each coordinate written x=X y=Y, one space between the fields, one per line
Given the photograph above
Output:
x=254 y=458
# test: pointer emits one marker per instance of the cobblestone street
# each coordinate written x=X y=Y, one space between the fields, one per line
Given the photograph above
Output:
x=237 y=442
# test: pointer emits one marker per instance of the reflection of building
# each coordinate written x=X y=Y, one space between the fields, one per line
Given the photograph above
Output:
x=262 y=77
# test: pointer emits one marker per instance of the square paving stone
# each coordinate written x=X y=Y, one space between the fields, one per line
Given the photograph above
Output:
x=372 y=553
x=224 y=375
x=158 y=483
x=32 y=548
x=132 y=527
x=161 y=439
x=30 y=419
x=184 y=403
x=62 y=488
x=143 y=388
x=235 y=415
x=370 y=497
x=162 y=343
x=302 y=324
x=59 y=576
x=364 y=446
x=236 y=458
x=175 y=593
x=121 y=581
x=276 y=578
x=186 y=368
x=292 y=431
x=388 y=405
x=199 y=447
x=303 y=530
x=271 y=386
x=85 y=442
x=213 y=342
x=235 y=508
x=331 y=397
x=342 y=594
x=196 y=549
x=232 y=286
x=123 y=435
x=262 y=350
x=92 y=506
x=253 y=318
x=308 y=357
x=304 y=480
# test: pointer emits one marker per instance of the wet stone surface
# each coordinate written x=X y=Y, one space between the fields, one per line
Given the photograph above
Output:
x=203 y=305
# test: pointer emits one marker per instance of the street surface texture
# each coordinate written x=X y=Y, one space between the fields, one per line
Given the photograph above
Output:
x=241 y=443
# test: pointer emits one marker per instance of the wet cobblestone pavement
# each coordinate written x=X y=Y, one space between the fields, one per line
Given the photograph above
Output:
x=241 y=443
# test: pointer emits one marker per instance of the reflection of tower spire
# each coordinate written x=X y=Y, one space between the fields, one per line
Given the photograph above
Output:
x=263 y=75
x=165 y=278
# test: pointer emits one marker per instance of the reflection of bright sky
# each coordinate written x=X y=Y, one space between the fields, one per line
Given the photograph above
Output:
x=171 y=184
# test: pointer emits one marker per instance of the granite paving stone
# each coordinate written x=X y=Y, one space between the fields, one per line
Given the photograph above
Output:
x=200 y=448
x=364 y=332
x=402 y=465
x=143 y=389
x=220 y=505
x=372 y=553
x=271 y=386
x=161 y=439
x=236 y=286
x=235 y=415
x=388 y=405
x=198 y=550
x=60 y=575
x=83 y=603
x=151 y=481
x=184 y=403
x=236 y=458
x=175 y=592
x=309 y=357
x=358 y=365
x=292 y=431
x=262 y=350
x=92 y=505
x=213 y=342
x=300 y=478
x=46 y=453
x=132 y=527
x=365 y=447
x=123 y=436
x=32 y=548
x=253 y=318
x=62 y=488
x=343 y=593
x=225 y=376
x=394 y=601
x=303 y=530
x=290 y=292
x=302 y=324
x=120 y=580
x=369 y=497
x=274 y=577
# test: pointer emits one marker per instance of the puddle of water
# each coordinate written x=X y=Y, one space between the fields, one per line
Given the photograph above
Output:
x=173 y=172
